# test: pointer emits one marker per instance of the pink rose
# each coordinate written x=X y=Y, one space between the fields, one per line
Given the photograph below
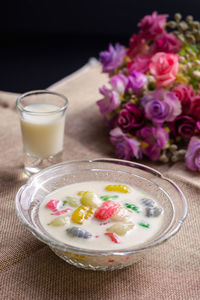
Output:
x=164 y=67
x=136 y=45
x=184 y=93
x=140 y=63
x=152 y=25
x=167 y=42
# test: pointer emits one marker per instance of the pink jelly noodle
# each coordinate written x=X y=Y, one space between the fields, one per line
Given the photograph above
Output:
x=52 y=204
x=106 y=210
x=58 y=213
x=113 y=237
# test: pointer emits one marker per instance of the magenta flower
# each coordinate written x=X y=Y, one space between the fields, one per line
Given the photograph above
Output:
x=130 y=117
x=119 y=83
x=198 y=125
x=136 y=81
x=161 y=106
x=125 y=147
x=110 y=101
x=195 y=107
x=185 y=93
x=156 y=139
x=152 y=25
x=167 y=42
x=183 y=126
x=136 y=45
x=140 y=63
x=113 y=58
x=192 y=156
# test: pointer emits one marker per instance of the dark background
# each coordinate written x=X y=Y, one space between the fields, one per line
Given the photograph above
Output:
x=43 y=41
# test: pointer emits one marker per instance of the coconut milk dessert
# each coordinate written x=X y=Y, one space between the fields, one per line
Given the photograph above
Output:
x=42 y=133
x=100 y=215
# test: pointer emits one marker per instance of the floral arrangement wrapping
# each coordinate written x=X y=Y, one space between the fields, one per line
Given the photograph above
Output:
x=153 y=102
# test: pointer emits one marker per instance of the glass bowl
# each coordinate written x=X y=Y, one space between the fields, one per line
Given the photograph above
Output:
x=167 y=193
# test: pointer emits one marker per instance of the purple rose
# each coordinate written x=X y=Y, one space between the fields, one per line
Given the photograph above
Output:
x=156 y=139
x=130 y=117
x=113 y=58
x=192 y=156
x=119 y=83
x=136 y=81
x=183 y=126
x=110 y=101
x=125 y=147
x=161 y=106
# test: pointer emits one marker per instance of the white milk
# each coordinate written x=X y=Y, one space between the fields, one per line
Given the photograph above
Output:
x=43 y=133
x=135 y=236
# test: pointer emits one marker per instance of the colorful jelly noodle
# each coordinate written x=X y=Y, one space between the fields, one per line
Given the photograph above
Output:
x=101 y=215
x=42 y=133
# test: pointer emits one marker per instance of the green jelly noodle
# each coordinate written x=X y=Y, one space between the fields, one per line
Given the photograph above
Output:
x=132 y=207
x=107 y=197
x=145 y=225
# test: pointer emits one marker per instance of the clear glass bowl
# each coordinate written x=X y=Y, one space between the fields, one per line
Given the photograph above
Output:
x=168 y=194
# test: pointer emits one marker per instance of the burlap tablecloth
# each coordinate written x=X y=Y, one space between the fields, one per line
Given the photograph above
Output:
x=30 y=270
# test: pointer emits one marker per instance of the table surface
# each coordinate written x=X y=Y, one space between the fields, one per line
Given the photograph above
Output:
x=30 y=270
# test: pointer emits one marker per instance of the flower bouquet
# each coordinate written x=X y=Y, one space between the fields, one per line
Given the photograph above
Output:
x=153 y=102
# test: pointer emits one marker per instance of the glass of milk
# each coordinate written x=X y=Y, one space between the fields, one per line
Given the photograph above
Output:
x=42 y=120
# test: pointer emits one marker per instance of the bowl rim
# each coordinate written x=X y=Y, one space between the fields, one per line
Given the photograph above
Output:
x=53 y=243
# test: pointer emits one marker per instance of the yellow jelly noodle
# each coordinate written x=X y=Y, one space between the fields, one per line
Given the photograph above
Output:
x=90 y=199
x=89 y=213
x=60 y=221
x=122 y=188
x=82 y=213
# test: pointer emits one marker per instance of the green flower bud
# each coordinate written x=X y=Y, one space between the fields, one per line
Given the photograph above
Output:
x=174 y=158
x=181 y=152
x=196 y=24
x=196 y=74
x=197 y=62
x=177 y=17
x=164 y=158
x=190 y=38
x=182 y=26
x=173 y=148
x=171 y=24
x=189 y=19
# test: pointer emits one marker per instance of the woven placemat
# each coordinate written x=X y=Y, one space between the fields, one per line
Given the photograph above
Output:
x=30 y=270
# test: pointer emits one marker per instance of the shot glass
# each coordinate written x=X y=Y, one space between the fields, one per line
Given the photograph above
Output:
x=42 y=119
